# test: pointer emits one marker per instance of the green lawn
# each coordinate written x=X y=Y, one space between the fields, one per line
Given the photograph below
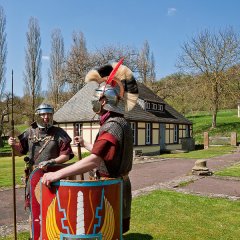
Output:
x=6 y=148
x=20 y=236
x=171 y=215
x=6 y=170
x=227 y=122
x=212 y=151
x=233 y=171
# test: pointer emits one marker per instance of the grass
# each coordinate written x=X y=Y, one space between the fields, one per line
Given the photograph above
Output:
x=20 y=236
x=227 y=122
x=172 y=215
x=6 y=170
x=212 y=151
x=168 y=215
x=6 y=148
x=233 y=171
x=21 y=128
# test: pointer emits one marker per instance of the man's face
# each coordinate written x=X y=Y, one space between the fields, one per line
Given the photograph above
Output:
x=46 y=117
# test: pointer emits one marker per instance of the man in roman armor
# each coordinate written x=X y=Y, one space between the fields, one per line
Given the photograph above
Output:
x=45 y=144
x=112 y=151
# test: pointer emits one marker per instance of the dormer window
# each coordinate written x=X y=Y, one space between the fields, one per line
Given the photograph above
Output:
x=160 y=107
x=154 y=106
x=148 y=105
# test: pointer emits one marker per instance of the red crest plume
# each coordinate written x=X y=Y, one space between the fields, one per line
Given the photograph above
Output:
x=112 y=74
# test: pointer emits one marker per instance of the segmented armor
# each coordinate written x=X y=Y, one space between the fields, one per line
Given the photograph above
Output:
x=121 y=165
x=44 y=144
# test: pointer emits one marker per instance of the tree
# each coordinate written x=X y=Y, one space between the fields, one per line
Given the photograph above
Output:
x=57 y=67
x=146 y=65
x=180 y=91
x=3 y=56
x=211 y=55
x=4 y=115
x=111 y=53
x=231 y=95
x=32 y=74
x=3 y=51
x=77 y=63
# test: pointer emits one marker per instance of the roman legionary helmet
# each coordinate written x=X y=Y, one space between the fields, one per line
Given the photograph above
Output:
x=117 y=85
x=41 y=109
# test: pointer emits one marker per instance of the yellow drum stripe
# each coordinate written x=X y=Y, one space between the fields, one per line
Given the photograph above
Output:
x=90 y=200
x=68 y=207
x=108 y=226
x=48 y=222
x=51 y=223
x=53 y=231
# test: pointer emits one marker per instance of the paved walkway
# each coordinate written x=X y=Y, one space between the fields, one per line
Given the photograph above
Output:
x=147 y=175
x=170 y=173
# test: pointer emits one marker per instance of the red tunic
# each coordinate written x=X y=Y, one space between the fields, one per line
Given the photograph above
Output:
x=107 y=147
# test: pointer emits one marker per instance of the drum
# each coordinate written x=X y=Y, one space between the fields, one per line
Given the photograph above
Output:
x=82 y=210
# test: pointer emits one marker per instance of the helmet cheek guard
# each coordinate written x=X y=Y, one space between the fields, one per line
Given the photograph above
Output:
x=96 y=106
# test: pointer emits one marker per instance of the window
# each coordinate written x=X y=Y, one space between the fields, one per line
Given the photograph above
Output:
x=154 y=106
x=189 y=131
x=160 y=107
x=171 y=134
x=147 y=105
x=148 y=133
x=175 y=133
x=133 y=126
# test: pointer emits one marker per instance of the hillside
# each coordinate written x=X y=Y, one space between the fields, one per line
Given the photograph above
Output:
x=227 y=122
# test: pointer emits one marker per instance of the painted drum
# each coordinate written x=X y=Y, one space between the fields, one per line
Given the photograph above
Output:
x=82 y=210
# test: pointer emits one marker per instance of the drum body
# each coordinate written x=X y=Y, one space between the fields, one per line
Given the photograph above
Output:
x=82 y=210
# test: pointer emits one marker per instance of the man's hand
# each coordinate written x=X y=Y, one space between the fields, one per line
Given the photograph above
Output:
x=43 y=165
x=12 y=141
x=79 y=141
x=49 y=177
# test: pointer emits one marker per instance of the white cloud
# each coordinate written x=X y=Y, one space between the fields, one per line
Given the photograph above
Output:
x=171 y=11
x=45 y=57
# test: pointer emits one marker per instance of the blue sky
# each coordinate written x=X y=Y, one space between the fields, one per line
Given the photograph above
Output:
x=165 y=24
